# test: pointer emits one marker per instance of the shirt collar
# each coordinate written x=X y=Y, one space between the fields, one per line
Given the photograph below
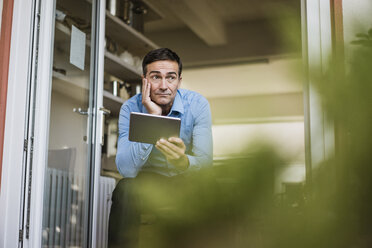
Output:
x=177 y=104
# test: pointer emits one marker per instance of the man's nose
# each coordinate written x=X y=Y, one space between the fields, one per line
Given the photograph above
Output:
x=163 y=84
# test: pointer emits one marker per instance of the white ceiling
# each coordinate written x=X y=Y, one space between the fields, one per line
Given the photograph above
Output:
x=208 y=32
x=230 y=11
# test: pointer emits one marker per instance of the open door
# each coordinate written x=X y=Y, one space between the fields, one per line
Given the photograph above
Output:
x=67 y=208
x=63 y=129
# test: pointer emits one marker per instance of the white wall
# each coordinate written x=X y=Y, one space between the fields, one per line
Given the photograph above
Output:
x=256 y=94
x=287 y=137
x=275 y=77
x=250 y=92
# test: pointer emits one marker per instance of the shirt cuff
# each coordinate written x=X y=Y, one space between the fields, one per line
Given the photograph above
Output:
x=193 y=163
x=145 y=150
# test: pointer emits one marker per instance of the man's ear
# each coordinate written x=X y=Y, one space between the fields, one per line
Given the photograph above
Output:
x=179 y=83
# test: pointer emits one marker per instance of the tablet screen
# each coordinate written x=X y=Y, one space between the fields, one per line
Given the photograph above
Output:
x=147 y=128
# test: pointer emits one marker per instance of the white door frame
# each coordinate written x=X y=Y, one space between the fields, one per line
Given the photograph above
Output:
x=100 y=29
x=317 y=49
x=42 y=114
x=12 y=188
x=15 y=121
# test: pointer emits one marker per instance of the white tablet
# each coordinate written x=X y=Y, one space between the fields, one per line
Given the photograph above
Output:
x=147 y=128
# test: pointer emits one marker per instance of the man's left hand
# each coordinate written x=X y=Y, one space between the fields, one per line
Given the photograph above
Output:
x=174 y=151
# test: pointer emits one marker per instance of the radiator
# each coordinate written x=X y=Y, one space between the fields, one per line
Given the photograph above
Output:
x=63 y=220
x=106 y=186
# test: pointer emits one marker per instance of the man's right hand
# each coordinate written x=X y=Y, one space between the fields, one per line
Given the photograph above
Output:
x=152 y=107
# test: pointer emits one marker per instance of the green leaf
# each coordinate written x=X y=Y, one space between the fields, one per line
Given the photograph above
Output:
x=357 y=42
x=370 y=32
x=361 y=35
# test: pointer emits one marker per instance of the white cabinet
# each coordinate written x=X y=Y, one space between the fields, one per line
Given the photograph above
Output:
x=120 y=38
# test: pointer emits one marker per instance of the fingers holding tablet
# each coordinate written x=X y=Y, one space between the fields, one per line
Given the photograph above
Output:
x=178 y=142
x=174 y=151
x=174 y=147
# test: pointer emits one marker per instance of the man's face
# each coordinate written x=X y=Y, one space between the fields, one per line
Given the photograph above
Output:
x=164 y=79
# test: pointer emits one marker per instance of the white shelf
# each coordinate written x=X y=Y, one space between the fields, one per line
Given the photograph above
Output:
x=112 y=97
x=77 y=90
x=127 y=36
x=120 y=69
x=116 y=29
x=113 y=64
x=112 y=103
x=62 y=48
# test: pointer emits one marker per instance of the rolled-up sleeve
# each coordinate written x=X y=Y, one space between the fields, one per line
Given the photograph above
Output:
x=131 y=156
x=202 y=145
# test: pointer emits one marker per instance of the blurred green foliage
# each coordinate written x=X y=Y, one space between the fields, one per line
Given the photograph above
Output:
x=216 y=207
x=364 y=39
x=234 y=205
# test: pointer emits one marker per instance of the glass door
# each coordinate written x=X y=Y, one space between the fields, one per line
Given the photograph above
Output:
x=67 y=192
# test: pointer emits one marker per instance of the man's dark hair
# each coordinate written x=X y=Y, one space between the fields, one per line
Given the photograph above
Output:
x=161 y=54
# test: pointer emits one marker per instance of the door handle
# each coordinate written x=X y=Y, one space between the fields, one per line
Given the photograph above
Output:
x=80 y=111
x=105 y=110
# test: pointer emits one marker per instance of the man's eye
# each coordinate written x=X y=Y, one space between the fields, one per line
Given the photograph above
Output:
x=171 y=78
x=155 y=77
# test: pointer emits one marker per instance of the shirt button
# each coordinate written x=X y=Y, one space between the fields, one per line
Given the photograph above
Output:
x=143 y=158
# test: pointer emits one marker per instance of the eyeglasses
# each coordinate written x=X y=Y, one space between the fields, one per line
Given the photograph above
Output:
x=157 y=78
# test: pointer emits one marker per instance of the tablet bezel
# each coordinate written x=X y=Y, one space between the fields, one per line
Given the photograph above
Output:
x=148 y=128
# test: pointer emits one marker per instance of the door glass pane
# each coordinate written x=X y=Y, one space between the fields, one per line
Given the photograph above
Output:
x=66 y=194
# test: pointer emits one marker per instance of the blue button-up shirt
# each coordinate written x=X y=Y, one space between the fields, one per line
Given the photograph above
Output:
x=196 y=121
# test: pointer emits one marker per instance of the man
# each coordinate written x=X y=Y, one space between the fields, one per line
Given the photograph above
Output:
x=169 y=158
